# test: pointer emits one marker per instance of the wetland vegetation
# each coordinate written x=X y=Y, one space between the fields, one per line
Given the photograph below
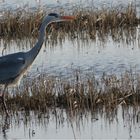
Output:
x=79 y=93
x=74 y=97
x=88 y=23
x=89 y=93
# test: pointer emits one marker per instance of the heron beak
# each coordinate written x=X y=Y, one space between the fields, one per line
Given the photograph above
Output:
x=68 y=17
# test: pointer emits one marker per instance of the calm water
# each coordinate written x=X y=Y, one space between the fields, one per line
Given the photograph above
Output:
x=61 y=125
x=35 y=3
x=54 y=5
x=112 y=57
x=109 y=55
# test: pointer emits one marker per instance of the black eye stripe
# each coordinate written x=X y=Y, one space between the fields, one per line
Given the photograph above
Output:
x=54 y=14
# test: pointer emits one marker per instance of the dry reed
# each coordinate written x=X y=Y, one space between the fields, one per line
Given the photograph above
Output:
x=87 y=93
x=88 y=21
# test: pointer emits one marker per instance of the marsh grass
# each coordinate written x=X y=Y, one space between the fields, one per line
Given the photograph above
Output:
x=89 y=23
x=87 y=93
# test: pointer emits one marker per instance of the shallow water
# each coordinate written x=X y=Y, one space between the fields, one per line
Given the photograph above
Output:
x=96 y=56
x=34 y=3
x=109 y=56
x=62 y=125
x=54 y=5
x=112 y=57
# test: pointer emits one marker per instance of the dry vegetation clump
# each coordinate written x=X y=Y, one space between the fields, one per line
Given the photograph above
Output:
x=89 y=93
x=89 y=22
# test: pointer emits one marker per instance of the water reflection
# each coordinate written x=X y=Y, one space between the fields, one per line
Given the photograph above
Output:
x=114 y=53
x=5 y=126
x=61 y=123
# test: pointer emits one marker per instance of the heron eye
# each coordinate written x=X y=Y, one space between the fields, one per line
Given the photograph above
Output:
x=54 y=14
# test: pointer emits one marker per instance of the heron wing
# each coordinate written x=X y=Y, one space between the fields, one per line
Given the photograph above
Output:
x=11 y=66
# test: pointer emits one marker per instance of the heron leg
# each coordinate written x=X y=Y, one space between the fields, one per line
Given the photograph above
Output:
x=3 y=101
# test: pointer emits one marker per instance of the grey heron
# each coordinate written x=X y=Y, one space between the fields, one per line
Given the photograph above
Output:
x=13 y=66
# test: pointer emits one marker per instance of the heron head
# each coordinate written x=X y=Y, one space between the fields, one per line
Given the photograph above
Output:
x=54 y=17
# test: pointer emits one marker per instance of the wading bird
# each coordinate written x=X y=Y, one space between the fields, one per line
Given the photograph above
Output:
x=13 y=66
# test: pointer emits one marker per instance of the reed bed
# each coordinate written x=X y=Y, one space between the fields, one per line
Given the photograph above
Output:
x=88 y=23
x=79 y=93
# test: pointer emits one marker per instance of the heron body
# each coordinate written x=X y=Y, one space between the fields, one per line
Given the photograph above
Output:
x=13 y=66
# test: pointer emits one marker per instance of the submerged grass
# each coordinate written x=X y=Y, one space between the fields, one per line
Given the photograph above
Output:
x=88 y=23
x=87 y=93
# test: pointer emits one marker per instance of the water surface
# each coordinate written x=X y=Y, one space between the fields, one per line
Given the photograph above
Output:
x=109 y=56
x=64 y=4
x=62 y=125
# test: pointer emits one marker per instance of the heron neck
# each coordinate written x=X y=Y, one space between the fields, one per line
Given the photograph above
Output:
x=35 y=50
